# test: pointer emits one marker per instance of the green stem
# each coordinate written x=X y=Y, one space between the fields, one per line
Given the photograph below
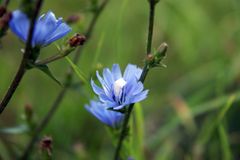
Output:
x=52 y=58
x=22 y=68
x=68 y=81
x=150 y=25
x=127 y=117
x=123 y=133
x=5 y=3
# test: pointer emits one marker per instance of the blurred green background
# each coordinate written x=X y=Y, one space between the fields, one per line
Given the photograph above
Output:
x=192 y=111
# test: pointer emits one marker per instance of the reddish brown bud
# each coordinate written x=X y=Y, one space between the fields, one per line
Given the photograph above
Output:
x=150 y=58
x=77 y=40
x=73 y=19
x=46 y=145
x=2 y=10
x=5 y=19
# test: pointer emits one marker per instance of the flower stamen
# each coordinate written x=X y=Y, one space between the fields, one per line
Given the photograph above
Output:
x=118 y=85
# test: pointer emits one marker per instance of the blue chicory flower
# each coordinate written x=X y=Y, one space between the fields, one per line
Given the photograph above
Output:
x=100 y=111
x=119 y=91
x=47 y=28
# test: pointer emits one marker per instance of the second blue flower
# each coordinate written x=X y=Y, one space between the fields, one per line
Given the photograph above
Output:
x=120 y=90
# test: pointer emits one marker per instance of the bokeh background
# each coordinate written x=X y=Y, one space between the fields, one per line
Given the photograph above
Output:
x=192 y=111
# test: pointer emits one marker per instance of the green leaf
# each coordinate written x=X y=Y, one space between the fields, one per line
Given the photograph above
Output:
x=226 y=150
x=44 y=68
x=15 y=130
x=77 y=70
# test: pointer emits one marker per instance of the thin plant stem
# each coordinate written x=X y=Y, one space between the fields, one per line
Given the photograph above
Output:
x=68 y=81
x=52 y=59
x=152 y=4
x=127 y=116
x=22 y=68
x=41 y=125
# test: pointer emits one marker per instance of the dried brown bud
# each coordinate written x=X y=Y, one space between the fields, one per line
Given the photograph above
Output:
x=73 y=19
x=77 y=40
x=2 y=10
x=46 y=145
x=161 y=51
x=28 y=111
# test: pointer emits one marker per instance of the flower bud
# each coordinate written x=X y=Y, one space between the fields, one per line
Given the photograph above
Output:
x=77 y=40
x=150 y=58
x=154 y=60
x=4 y=20
x=73 y=19
x=2 y=10
x=28 y=112
x=46 y=145
x=162 y=50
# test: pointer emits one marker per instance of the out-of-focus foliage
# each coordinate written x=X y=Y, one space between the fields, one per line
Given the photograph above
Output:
x=192 y=111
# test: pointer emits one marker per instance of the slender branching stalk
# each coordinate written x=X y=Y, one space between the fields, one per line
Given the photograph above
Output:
x=68 y=81
x=124 y=129
x=23 y=66
x=152 y=4
x=52 y=58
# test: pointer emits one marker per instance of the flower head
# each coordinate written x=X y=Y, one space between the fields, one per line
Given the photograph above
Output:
x=47 y=28
x=100 y=111
x=120 y=90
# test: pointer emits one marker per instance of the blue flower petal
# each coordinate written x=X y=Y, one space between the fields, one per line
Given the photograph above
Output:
x=110 y=118
x=139 y=97
x=119 y=107
x=61 y=31
x=134 y=88
x=108 y=78
x=47 y=28
x=19 y=25
x=117 y=91
x=96 y=89
x=116 y=72
x=132 y=70
x=106 y=88
x=46 y=24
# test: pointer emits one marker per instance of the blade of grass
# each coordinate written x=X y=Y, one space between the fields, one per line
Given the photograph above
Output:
x=77 y=70
x=226 y=150
x=138 y=132
x=172 y=124
x=165 y=152
x=119 y=25
x=98 y=50
x=204 y=136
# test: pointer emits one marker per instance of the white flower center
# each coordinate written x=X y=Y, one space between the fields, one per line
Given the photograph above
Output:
x=118 y=85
